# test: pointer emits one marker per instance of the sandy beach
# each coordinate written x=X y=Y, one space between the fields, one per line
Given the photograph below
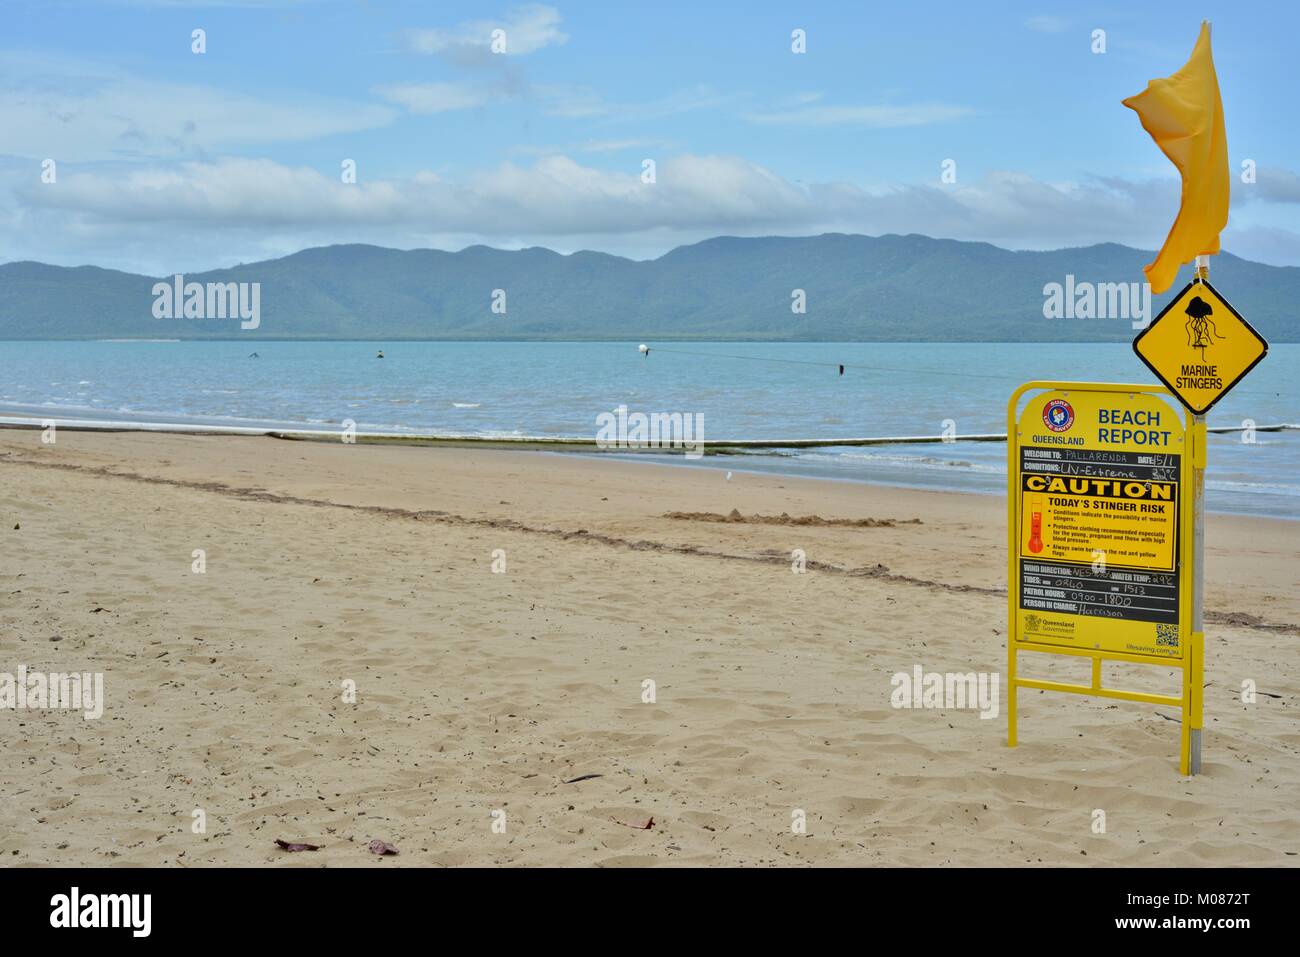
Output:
x=480 y=692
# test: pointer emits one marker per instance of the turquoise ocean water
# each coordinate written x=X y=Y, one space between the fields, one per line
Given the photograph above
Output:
x=743 y=390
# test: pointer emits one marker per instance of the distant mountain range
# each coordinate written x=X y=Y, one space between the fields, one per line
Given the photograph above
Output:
x=857 y=288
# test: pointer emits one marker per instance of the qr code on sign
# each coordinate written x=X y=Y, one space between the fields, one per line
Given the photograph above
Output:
x=1167 y=635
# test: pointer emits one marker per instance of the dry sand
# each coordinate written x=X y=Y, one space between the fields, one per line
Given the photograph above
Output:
x=479 y=691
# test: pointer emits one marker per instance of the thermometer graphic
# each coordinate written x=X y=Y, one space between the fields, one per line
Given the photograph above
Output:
x=1036 y=524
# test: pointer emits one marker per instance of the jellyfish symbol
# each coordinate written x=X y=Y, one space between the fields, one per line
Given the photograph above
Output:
x=1201 y=331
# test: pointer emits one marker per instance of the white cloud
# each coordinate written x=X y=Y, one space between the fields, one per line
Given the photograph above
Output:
x=573 y=102
x=1267 y=244
x=527 y=29
x=201 y=4
x=577 y=102
x=871 y=117
x=1271 y=185
x=557 y=195
x=435 y=97
x=103 y=116
x=593 y=146
x=240 y=207
x=1048 y=24
x=559 y=100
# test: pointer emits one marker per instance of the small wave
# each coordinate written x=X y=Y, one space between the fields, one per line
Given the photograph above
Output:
x=466 y=405
x=1262 y=488
x=770 y=453
x=926 y=462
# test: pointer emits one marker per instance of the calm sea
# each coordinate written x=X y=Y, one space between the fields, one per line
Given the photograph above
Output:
x=743 y=390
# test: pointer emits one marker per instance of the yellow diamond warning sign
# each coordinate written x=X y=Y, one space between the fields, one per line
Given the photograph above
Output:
x=1199 y=346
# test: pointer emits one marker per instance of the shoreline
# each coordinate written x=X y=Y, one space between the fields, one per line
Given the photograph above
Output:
x=713 y=446
x=734 y=452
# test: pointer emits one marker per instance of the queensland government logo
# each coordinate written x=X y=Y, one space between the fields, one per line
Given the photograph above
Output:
x=1058 y=415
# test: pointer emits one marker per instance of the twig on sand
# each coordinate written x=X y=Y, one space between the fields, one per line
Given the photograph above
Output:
x=640 y=826
x=287 y=846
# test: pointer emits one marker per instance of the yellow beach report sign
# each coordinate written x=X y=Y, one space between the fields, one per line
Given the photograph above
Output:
x=1099 y=482
x=1100 y=525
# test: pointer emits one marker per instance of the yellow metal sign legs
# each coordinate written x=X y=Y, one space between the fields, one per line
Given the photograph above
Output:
x=1189 y=702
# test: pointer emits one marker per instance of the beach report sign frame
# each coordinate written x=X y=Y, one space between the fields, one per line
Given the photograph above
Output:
x=1100 y=530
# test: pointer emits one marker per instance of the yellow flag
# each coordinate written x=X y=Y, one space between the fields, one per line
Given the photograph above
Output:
x=1184 y=115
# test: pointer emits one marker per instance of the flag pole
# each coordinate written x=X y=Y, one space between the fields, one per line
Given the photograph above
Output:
x=1199 y=460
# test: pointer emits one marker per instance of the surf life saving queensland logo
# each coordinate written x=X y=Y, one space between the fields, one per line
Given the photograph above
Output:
x=1058 y=415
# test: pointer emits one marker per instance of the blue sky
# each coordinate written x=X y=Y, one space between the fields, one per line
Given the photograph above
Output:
x=169 y=160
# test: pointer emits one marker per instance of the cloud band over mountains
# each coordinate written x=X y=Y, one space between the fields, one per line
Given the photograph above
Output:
x=561 y=202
